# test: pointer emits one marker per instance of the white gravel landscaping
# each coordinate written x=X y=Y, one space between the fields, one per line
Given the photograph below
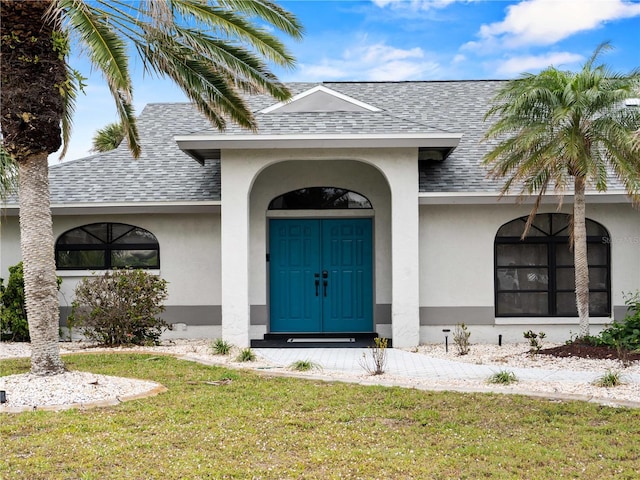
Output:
x=81 y=389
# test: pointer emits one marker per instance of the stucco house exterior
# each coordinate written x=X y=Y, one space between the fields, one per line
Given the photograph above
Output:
x=355 y=207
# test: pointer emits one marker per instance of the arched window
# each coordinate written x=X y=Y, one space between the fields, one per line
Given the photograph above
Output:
x=102 y=246
x=319 y=198
x=535 y=276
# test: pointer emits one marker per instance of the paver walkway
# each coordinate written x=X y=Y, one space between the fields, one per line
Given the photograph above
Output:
x=415 y=366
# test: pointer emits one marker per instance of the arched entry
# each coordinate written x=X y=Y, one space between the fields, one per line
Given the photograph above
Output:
x=321 y=269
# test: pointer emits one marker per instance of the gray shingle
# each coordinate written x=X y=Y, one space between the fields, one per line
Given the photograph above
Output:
x=165 y=173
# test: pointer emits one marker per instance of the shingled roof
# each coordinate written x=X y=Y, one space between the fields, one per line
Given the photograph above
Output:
x=164 y=173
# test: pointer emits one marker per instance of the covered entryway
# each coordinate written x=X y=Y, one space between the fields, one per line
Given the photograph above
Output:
x=321 y=275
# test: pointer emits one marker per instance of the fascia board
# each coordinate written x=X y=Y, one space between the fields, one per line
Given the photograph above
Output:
x=494 y=198
x=86 y=208
x=250 y=142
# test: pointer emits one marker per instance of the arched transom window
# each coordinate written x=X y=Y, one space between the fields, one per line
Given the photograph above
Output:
x=320 y=198
x=535 y=276
x=102 y=246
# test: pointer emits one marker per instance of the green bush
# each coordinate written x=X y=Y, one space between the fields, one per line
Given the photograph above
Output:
x=623 y=335
x=13 y=313
x=120 y=307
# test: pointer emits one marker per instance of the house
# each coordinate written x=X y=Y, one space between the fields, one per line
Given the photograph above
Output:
x=356 y=207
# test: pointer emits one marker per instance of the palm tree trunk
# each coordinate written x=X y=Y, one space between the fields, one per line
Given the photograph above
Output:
x=36 y=233
x=580 y=256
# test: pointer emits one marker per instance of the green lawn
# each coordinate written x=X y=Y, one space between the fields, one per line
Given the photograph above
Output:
x=258 y=426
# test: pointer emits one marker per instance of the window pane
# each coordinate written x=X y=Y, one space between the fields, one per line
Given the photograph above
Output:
x=515 y=228
x=566 y=280
x=98 y=230
x=560 y=224
x=522 y=304
x=595 y=229
x=137 y=235
x=523 y=278
x=597 y=253
x=566 y=304
x=521 y=254
x=79 y=236
x=540 y=226
x=512 y=229
x=319 y=198
x=598 y=304
x=134 y=258
x=564 y=256
x=83 y=259
x=598 y=278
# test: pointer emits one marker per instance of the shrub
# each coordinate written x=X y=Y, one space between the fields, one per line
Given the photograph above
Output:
x=624 y=335
x=612 y=378
x=13 y=313
x=461 y=338
x=503 y=377
x=120 y=307
x=378 y=357
x=220 y=347
x=304 y=366
x=246 y=355
x=535 y=341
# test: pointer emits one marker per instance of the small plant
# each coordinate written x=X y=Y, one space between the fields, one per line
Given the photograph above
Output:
x=220 y=347
x=378 y=357
x=535 y=341
x=246 y=355
x=624 y=335
x=612 y=378
x=461 y=338
x=304 y=366
x=503 y=377
x=120 y=307
x=13 y=314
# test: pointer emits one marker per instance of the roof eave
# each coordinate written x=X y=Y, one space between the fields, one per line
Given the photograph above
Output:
x=205 y=146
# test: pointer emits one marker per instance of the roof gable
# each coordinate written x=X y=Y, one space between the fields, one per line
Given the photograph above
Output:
x=320 y=99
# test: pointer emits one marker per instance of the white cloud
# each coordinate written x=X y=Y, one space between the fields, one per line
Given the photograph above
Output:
x=532 y=63
x=545 y=22
x=376 y=61
x=415 y=4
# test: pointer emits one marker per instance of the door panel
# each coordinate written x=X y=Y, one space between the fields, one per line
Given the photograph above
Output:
x=321 y=275
x=347 y=257
x=295 y=258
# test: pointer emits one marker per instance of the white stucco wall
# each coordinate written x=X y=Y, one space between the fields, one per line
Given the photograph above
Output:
x=456 y=266
x=189 y=253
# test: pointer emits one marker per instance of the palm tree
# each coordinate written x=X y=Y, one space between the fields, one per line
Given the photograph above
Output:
x=559 y=129
x=108 y=137
x=214 y=50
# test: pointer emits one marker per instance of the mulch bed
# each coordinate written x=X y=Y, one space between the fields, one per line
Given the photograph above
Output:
x=583 y=350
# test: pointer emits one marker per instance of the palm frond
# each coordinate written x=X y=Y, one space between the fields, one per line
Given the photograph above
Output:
x=8 y=174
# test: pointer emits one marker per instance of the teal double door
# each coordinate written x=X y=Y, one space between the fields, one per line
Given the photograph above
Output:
x=321 y=275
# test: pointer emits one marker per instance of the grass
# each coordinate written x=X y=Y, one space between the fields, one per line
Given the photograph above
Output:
x=271 y=427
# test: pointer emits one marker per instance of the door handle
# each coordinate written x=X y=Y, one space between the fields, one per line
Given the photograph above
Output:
x=317 y=282
x=325 y=282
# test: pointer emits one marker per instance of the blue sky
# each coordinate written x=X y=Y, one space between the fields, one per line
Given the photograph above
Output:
x=414 y=40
